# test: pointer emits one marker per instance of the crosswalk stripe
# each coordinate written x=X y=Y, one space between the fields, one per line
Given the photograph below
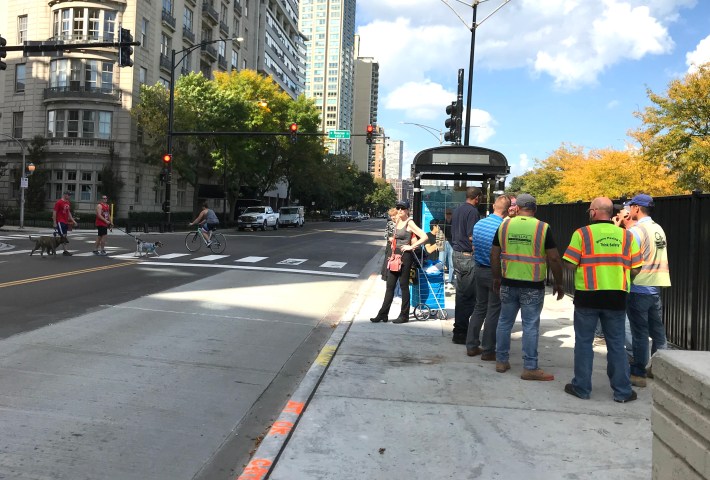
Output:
x=251 y=259
x=333 y=264
x=168 y=256
x=15 y=252
x=209 y=258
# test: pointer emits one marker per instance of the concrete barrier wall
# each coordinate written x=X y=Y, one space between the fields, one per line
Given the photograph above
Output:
x=680 y=416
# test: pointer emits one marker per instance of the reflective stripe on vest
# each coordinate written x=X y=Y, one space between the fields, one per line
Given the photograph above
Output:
x=523 y=259
x=604 y=263
x=655 y=271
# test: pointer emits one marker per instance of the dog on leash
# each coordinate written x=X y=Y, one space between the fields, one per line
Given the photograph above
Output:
x=48 y=244
x=143 y=249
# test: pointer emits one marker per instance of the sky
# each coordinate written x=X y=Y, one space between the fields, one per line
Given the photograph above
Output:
x=546 y=72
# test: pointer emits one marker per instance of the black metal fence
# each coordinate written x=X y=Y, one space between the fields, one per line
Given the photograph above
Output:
x=686 y=221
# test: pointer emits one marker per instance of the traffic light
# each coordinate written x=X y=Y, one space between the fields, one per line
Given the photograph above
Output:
x=453 y=123
x=166 y=206
x=370 y=129
x=125 y=52
x=167 y=158
x=3 y=53
x=293 y=129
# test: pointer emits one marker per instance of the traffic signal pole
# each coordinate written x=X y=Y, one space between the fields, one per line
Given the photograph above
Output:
x=470 y=75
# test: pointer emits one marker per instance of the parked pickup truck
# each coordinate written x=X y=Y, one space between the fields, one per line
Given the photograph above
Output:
x=258 y=217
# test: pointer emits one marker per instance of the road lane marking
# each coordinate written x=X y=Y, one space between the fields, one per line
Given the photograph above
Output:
x=15 y=252
x=168 y=256
x=330 y=264
x=244 y=267
x=62 y=275
x=292 y=261
x=251 y=259
x=209 y=258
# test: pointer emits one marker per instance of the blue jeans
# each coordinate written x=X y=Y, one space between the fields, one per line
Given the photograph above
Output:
x=645 y=318
x=487 y=310
x=617 y=367
x=449 y=261
x=529 y=302
x=465 y=292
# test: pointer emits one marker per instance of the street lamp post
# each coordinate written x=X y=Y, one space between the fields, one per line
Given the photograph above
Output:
x=23 y=180
x=429 y=129
x=171 y=108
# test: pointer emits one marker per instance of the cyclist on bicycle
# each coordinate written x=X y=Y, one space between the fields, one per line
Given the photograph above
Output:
x=208 y=222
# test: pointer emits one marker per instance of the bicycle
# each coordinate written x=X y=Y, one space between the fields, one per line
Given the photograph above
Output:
x=194 y=240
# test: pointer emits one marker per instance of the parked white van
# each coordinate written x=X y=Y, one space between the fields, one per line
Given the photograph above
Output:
x=291 y=216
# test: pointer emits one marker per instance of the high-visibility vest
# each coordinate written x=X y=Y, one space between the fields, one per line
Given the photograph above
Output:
x=604 y=255
x=522 y=244
x=655 y=271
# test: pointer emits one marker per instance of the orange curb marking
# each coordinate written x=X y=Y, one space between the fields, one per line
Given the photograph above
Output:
x=281 y=428
x=257 y=469
x=294 y=407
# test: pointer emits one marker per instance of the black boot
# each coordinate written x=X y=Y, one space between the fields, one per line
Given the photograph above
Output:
x=401 y=319
x=379 y=319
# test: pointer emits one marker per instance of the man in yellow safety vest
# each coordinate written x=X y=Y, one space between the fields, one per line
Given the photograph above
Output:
x=521 y=249
x=644 y=306
x=605 y=258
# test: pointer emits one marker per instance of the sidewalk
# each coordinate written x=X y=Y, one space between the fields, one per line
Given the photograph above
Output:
x=404 y=402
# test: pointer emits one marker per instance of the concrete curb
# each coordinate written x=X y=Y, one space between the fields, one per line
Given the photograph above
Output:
x=275 y=441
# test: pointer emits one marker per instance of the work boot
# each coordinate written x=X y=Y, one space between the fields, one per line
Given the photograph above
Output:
x=502 y=367
x=630 y=398
x=474 y=352
x=537 y=374
x=488 y=356
x=637 y=381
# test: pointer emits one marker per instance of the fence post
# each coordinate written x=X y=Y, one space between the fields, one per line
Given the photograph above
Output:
x=691 y=328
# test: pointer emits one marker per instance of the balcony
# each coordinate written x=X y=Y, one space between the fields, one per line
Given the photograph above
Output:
x=192 y=2
x=184 y=71
x=222 y=62
x=73 y=144
x=209 y=12
x=188 y=35
x=82 y=92
x=224 y=28
x=237 y=8
x=209 y=51
x=165 y=62
x=169 y=20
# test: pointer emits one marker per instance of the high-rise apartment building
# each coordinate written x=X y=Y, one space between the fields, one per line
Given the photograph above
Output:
x=329 y=28
x=394 y=152
x=80 y=100
x=365 y=98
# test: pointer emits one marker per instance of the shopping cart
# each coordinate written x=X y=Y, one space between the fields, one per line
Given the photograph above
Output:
x=427 y=291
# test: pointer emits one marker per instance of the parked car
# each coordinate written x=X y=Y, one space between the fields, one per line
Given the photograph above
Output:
x=365 y=216
x=355 y=216
x=258 y=217
x=339 y=216
x=291 y=216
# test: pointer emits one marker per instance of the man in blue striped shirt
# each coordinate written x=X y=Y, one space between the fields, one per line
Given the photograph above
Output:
x=487 y=307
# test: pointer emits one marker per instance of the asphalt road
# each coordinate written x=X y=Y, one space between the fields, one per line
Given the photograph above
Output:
x=167 y=367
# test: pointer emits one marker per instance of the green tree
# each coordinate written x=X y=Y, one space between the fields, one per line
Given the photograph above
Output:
x=36 y=195
x=382 y=197
x=676 y=129
x=111 y=184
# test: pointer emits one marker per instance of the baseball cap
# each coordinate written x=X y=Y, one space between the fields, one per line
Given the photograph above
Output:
x=402 y=204
x=525 y=200
x=642 y=200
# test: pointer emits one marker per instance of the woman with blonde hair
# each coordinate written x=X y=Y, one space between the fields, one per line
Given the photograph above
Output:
x=406 y=239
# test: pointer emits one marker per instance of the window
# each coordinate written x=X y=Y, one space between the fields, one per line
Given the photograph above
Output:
x=21 y=28
x=107 y=77
x=165 y=42
x=91 y=75
x=137 y=190
x=109 y=26
x=181 y=192
x=224 y=13
x=144 y=33
x=17 y=120
x=187 y=19
x=168 y=6
x=235 y=60
x=94 y=24
x=78 y=24
x=79 y=123
x=20 y=71
x=142 y=75
x=222 y=49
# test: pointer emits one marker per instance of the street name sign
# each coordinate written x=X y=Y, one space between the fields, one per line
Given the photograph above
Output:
x=334 y=134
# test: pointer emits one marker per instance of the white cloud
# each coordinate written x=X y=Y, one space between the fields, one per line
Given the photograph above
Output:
x=699 y=56
x=425 y=100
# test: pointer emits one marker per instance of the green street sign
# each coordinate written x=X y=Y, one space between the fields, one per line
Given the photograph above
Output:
x=334 y=134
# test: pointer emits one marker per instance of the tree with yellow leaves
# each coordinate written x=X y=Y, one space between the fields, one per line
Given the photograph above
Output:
x=676 y=129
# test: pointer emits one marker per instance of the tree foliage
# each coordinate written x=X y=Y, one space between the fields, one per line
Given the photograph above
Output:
x=36 y=193
x=676 y=129
x=572 y=174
